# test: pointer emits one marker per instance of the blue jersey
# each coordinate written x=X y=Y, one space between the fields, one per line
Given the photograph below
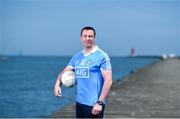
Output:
x=88 y=74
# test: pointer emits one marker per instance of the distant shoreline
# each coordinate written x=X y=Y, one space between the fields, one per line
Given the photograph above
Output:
x=138 y=56
x=3 y=57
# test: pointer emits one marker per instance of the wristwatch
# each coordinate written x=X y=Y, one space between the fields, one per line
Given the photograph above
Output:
x=100 y=102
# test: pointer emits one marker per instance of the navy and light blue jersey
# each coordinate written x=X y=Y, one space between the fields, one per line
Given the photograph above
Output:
x=88 y=74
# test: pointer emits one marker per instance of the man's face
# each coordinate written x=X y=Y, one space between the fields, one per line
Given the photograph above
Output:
x=87 y=38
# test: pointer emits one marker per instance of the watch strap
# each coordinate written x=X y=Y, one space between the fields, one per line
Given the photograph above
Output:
x=100 y=102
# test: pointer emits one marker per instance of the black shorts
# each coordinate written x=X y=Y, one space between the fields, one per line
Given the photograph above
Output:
x=85 y=111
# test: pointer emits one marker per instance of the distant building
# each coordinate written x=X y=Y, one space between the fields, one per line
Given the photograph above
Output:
x=167 y=56
x=20 y=52
x=133 y=52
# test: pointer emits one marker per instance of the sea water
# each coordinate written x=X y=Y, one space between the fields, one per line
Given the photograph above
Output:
x=27 y=83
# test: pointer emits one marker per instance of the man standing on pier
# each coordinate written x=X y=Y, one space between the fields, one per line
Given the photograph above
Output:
x=93 y=74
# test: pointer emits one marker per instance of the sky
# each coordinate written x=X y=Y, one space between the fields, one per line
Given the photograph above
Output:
x=52 y=27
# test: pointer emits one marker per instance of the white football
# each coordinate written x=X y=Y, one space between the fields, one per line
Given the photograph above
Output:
x=68 y=78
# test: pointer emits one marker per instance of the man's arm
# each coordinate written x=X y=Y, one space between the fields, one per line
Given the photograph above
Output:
x=57 y=88
x=107 y=76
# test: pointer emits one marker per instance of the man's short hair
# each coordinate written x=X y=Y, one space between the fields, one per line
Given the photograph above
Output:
x=88 y=28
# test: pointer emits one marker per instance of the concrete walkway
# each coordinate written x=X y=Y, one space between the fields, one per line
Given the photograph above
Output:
x=153 y=91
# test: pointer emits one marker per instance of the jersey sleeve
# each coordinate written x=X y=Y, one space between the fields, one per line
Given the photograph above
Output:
x=106 y=64
x=71 y=62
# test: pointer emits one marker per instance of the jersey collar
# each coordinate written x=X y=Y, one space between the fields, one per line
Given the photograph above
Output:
x=92 y=51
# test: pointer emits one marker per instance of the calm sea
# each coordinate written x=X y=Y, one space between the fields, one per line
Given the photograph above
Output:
x=27 y=83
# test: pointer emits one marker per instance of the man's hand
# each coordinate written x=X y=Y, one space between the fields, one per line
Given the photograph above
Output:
x=57 y=91
x=96 y=109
